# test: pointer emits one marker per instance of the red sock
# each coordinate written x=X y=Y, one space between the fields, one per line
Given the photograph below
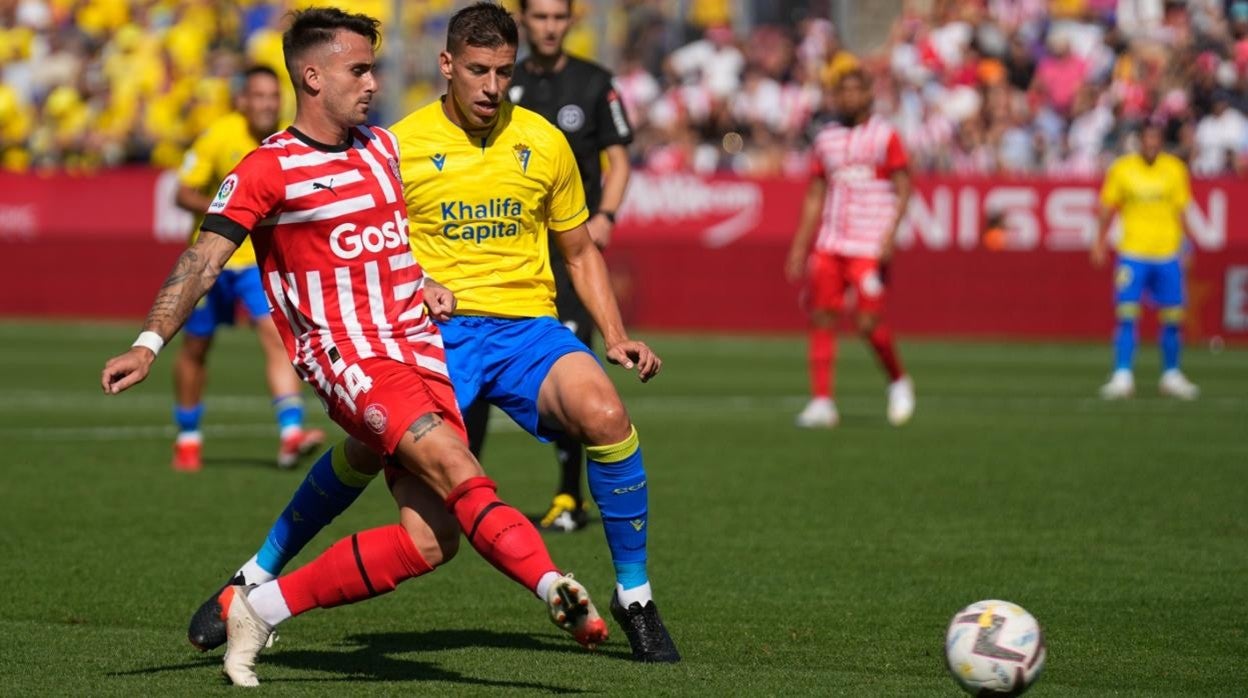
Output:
x=367 y=564
x=881 y=340
x=822 y=355
x=503 y=536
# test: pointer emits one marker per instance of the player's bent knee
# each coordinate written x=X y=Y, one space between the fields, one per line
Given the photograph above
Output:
x=436 y=537
x=432 y=529
x=606 y=422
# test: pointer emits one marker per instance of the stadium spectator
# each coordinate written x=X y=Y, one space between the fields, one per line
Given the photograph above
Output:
x=1221 y=138
x=134 y=69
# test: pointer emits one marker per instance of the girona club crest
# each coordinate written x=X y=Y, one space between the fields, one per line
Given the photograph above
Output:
x=376 y=418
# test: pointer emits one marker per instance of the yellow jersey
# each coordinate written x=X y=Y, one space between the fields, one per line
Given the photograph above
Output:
x=480 y=209
x=209 y=160
x=1151 y=199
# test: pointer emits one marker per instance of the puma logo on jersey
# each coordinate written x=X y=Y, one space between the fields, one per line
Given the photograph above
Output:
x=438 y=161
x=327 y=187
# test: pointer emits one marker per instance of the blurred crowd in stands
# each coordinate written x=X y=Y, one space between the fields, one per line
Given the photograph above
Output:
x=976 y=87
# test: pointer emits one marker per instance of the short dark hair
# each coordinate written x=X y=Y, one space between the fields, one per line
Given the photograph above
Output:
x=317 y=25
x=524 y=5
x=482 y=24
x=258 y=70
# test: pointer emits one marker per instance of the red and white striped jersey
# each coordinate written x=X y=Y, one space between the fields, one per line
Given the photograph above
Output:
x=858 y=163
x=329 y=226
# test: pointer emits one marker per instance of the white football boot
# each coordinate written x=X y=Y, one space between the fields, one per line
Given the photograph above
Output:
x=1175 y=384
x=248 y=634
x=820 y=413
x=900 y=401
x=571 y=610
x=1121 y=386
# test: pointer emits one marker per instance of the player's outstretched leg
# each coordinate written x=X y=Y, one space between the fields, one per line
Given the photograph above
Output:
x=365 y=565
x=436 y=451
x=510 y=542
x=336 y=480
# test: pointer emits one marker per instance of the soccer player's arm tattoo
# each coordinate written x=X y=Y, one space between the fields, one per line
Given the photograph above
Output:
x=423 y=425
x=193 y=274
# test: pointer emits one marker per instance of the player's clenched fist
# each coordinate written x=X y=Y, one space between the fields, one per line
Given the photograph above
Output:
x=439 y=300
x=631 y=353
x=123 y=371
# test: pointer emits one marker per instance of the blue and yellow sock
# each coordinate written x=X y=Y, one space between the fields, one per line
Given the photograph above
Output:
x=330 y=487
x=617 y=482
x=1124 y=340
x=289 y=411
x=1170 y=345
x=187 y=419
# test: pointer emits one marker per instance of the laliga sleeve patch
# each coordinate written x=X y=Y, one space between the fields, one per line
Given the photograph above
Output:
x=223 y=194
x=376 y=418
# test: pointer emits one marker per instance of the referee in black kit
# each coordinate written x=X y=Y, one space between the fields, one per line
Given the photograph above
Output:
x=579 y=98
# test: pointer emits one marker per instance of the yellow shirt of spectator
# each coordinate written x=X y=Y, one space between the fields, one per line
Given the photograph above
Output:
x=209 y=160
x=480 y=209
x=1151 y=199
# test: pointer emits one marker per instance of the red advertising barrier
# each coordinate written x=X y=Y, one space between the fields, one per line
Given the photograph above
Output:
x=708 y=253
x=691 y=253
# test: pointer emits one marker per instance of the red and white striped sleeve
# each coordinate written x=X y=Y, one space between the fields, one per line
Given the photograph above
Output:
x=252 y=191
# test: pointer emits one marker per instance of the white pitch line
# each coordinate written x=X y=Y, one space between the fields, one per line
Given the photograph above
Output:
x=678 y=408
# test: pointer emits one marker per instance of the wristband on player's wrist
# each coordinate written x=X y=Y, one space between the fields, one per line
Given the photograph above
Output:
x=609 y=214
x=149 y=340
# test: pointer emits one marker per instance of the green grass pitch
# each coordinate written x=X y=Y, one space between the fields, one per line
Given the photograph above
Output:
x=785 y=561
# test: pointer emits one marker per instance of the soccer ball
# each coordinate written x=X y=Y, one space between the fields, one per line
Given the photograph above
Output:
x=994 y=648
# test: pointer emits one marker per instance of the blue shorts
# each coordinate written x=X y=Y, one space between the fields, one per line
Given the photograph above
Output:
x=505 y=360
x=220 y=304
x=1162 y=279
